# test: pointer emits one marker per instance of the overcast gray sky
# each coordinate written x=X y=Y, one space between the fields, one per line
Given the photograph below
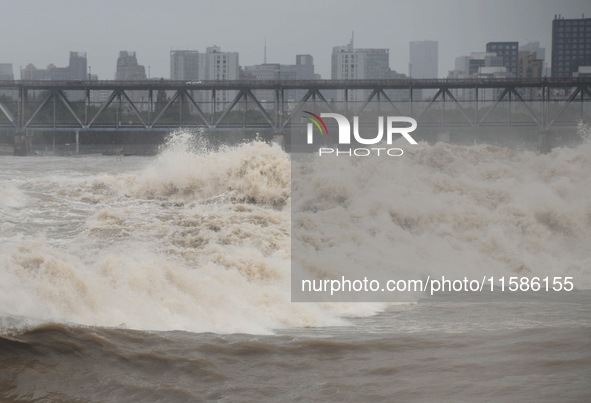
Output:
x=44 y=31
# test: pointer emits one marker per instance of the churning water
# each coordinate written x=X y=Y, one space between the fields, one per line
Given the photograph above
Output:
x=168 y=278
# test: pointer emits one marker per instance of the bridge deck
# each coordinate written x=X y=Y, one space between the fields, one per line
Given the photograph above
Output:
x=297 y=84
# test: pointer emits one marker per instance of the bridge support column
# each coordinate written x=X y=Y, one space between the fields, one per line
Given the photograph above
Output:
x=77 y=142
x=544 y=146
x=22 y=144
x=279 y=138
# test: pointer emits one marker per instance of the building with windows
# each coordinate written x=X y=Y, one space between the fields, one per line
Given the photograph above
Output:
x=462 y=64
x=424 y=59
x=508 y=51
x=128 y=67
x=221 y=66
x=6 y=71
x=192 y=65
x=303 y=69
x=534 y=47
x=478 y=60
x=78 y=66
x=477 y=65
x=424 y=63
x=184 y=65
x=529 y=65
x=348 y=63
x=571 y=45
x=264 y=72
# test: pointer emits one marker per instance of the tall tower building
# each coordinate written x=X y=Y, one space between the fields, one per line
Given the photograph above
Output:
x=6 y=71
x=184 y=65
x=424 y=59
x=508 y=51
x=571 y=45
x=78 y=66
x=128 y=67
x=423 y=63
x=221 y=65
x=302 y=70
x=217 y=65
x=348 y=63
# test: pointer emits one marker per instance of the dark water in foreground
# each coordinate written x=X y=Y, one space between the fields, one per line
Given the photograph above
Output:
x=452 y=348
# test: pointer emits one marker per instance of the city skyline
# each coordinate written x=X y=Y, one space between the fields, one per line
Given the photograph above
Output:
x=153 y=28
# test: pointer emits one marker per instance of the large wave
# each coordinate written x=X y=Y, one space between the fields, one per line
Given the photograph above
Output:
x=446 y=210
x=199 y=239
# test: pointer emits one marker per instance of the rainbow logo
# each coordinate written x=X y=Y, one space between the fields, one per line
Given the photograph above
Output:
x=317 y=121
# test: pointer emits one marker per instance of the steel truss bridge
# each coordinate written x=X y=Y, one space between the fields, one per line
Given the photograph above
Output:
x=29 y=106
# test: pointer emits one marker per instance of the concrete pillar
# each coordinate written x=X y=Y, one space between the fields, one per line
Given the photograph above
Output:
x=22 y=145
x=279 y=139
x=544 y=141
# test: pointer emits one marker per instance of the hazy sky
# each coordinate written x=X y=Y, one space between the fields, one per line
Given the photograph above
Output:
x=44 y=31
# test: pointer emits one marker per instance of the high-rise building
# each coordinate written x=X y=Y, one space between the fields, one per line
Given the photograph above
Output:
x=424 y=59
x=348 y=63
x=534 y=47
x=6 y=71
x=532 y=61
x=184 y=65
x=480 y=65
x=264 y=72
x=192 y=65
x=508 y=51
x=302 y=70
x=221 y=65
x=462 y=64
x=217 y=65
x=128 y=67
x=423 y=63
x=571 y=45
x=529 y=66
x=304 y=60
x=479 y=60
x=78 y=67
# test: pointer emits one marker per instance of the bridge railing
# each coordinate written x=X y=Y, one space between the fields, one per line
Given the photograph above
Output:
x=298 y=84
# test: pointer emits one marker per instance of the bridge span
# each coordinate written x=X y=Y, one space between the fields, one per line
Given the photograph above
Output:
x=152 y=105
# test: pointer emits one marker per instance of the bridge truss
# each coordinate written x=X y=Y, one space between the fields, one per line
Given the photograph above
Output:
x=274 y=105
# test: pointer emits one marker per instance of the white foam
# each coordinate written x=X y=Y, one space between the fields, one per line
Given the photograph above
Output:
x=200 y=240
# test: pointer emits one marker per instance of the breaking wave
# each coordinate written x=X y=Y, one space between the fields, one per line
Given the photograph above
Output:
x=199 y=239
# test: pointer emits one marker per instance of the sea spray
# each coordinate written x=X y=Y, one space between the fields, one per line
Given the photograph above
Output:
x=447 y=210
x=199 y=239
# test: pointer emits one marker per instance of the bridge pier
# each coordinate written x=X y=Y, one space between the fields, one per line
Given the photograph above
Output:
x=279 y=139
x=22 y=145
x=544 y=146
